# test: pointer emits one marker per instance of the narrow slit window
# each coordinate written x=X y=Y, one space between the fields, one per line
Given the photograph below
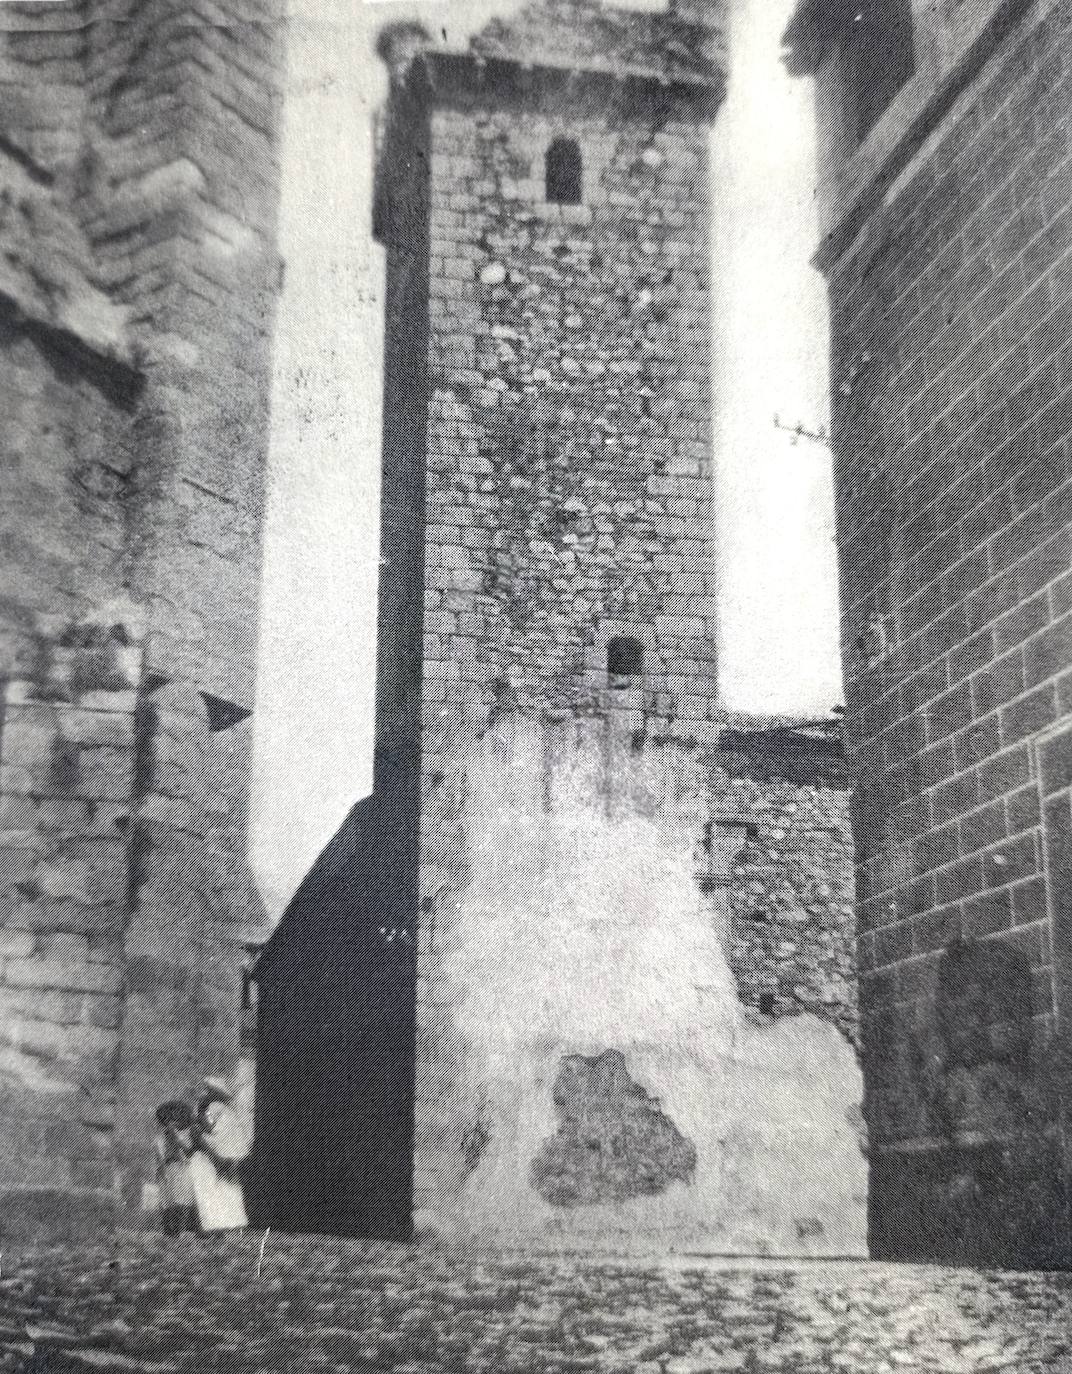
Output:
x=564 y=172
x=625 y=657
x=249 y=978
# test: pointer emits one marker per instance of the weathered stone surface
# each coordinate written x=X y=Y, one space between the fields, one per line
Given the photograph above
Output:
x=947 y=259
x=542 y=872
x=116 y=180
x=62 y=973
x=613 y=1140
x=146 y=1305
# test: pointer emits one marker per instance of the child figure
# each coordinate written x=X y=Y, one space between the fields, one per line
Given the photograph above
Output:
x=174 y=1145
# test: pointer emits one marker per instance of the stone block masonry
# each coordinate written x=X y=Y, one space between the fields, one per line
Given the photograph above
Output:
x=139 y=179
x=569 y=417
x=948 y=257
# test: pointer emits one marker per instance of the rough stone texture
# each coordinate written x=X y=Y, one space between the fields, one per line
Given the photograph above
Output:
x=547 y=495
x=137 y=201
x=583 y=893
x=613 y=1140
x=789 y=890
x=949 y=282
x=680 y=43
x=569 y=417
x=153 y=1306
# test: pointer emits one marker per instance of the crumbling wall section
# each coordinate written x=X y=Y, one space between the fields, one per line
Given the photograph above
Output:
x=771 y=880
x=582 y=868
x=791 y=936
x=560 y=409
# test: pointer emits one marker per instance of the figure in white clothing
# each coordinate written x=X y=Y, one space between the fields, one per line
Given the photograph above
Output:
x=222 y=1142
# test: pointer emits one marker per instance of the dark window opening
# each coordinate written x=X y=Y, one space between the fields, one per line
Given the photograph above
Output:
x=625 y=657
x=878 y=58
x=249 y=978
x=562 y=172
x=766 y=1003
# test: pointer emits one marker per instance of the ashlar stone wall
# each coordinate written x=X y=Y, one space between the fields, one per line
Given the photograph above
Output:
x=948 y=256
x=137 y=202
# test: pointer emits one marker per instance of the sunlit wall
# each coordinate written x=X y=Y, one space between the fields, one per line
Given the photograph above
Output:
x=778 y=599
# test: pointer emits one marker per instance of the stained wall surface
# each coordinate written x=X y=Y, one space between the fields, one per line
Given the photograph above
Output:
x=634 y=1022
x=136 y=297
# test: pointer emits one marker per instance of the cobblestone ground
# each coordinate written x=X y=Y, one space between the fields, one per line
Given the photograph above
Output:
x=152 y=1306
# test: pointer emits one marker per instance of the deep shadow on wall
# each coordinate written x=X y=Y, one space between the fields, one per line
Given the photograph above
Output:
x=336 y=1043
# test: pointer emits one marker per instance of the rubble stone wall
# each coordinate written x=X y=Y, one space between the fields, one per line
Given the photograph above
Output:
x=551 y=444
x=139 y=177
x=791 y=942
x=569 y=430
x=567 y=900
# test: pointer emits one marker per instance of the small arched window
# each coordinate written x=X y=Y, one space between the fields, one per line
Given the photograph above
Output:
x=563 y=172
x=625 y=657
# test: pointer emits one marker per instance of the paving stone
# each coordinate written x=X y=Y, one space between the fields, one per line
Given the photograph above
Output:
x=148 y=1305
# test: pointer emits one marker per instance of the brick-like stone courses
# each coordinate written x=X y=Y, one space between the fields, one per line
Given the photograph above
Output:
x=138 y=225
x=61 y=970
x=951 y=327
x=183 y=220
x=67 y=701
x=569 y=434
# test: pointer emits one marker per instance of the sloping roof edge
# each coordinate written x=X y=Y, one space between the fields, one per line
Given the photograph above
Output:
x=809 y=33
x=340 y=853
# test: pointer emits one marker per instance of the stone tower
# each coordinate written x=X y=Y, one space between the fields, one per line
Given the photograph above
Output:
x=513 y=949
x=543 y=204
